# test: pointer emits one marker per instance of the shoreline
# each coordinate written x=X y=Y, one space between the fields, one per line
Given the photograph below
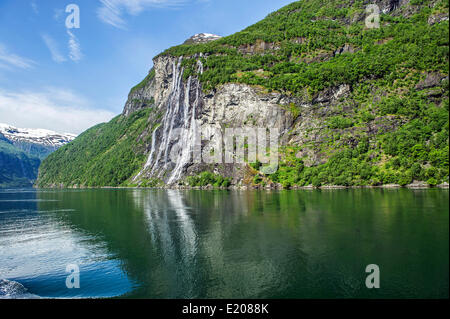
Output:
x=414 y=186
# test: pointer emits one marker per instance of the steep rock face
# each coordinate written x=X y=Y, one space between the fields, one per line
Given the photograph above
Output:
x=189 y=112
x=141 y=96
x=153 y=90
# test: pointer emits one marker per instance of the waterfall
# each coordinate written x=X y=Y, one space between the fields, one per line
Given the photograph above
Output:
x=181 y=111
x=189 y=139
x=169 y=117
x=150 y=157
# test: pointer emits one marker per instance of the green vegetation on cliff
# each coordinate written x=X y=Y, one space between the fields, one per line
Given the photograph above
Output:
x=310 y=46
x=208 y=178
x=145 y=81
x=105 y=155
x=304 y=39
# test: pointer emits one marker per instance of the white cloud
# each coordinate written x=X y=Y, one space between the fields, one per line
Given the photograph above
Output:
x=112 y=11
x=54 y=109
x=9 y=60
x=74 y=47
x=53 y=48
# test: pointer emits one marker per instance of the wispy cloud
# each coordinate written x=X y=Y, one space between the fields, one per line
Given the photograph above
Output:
x=57 y=14
x=9 y=60
x=53 y=48
x=112 y=11
x=55 y=109
x=34 y=6
x=74 y=47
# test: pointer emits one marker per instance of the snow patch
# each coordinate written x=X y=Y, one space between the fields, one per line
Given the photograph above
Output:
x=202 y=38
x=36 y=136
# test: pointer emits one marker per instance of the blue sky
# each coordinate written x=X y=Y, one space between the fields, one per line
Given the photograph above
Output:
x=70 y=79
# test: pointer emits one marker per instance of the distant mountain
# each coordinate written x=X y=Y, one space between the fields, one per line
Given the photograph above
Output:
x=17 y=169
x=21 y=152
x=35 y=142
x=3 y=138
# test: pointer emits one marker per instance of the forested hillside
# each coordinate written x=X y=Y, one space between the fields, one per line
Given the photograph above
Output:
x=106 y=154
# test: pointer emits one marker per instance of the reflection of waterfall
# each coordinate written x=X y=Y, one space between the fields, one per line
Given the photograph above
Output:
x=158 y=208
x=178 y=127
x=187 y=226
x=172 y=231
x=233 y=267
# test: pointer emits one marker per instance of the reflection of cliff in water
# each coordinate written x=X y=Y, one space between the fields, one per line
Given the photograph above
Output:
x=306 y=244
x=205 y=247
x=181 y=244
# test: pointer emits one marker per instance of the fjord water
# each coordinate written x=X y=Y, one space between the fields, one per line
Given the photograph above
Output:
x=225 y=244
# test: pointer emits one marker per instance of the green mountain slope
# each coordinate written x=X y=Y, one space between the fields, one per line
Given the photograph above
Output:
x=105 y=155
x=313 y=32
x=16 y=169
x=392 y=126
x=35 y=150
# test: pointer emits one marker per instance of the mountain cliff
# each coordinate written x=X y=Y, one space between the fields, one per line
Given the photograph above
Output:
x=352 y=105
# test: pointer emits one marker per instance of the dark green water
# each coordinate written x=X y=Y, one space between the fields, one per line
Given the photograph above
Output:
x=227 y=244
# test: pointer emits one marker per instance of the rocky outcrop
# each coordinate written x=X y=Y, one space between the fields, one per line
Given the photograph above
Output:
x=192 y=118
x=260 y=47
x=141 y=96
x=347 y=48
x=431 y=80
x=437 y=18
x=191 y=121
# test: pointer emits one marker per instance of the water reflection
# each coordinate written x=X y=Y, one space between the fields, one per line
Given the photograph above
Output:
x=204 y=244
x=236 y=244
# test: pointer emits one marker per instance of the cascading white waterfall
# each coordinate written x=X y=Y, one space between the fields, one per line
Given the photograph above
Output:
x=180 y=114
x=189 y=138
x=150 y=157
x=169 y=116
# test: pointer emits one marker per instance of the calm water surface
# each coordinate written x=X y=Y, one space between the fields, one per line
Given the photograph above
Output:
x=224 y=244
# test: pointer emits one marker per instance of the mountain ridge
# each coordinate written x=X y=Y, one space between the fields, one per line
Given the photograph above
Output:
x=355 y=106
x=35 y=142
